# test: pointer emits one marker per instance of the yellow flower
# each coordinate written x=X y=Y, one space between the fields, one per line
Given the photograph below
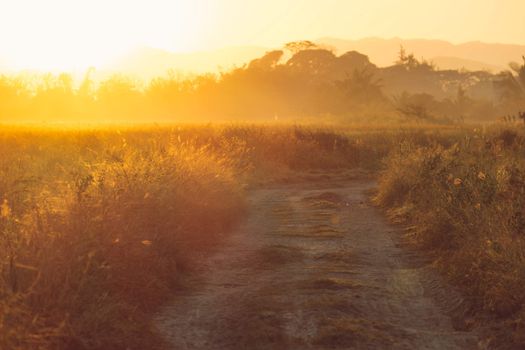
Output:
x=5 y=211
x=458 y=181
x=482 y=176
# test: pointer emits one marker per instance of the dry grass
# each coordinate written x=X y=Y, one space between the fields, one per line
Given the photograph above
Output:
x=92 y=222
x=467 y=204
x=97 y=224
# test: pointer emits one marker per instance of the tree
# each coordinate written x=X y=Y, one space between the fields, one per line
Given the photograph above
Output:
x=119 y=97
x=361 y=85
x=268 y=61
x=54 y=97
x=86 y=89
x=416 y=107
x=296 y=46
x=312 y=61
x=410 y=62
x=512 y=83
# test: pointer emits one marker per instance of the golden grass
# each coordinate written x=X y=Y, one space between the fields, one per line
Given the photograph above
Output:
x=91 y=224
x=96 y=224
x=466 y=202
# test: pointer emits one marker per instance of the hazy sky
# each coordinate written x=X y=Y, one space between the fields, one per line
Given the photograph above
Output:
x=75 y=33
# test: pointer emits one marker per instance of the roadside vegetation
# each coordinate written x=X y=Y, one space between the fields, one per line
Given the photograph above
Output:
x=464 y=204
x=97 y=226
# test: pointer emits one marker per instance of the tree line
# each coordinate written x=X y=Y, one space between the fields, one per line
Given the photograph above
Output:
x=299 y=80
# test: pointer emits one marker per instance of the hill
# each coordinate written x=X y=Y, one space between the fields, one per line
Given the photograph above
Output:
x=471 y=55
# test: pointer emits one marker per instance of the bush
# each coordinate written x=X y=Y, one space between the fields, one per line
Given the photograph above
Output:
x=92 y=250
x=467 y=203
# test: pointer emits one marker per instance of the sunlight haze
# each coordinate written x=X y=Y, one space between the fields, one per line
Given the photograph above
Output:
x=239 y=174
x=75 y=34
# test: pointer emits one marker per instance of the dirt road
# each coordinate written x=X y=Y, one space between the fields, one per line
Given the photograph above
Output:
x=313 y=266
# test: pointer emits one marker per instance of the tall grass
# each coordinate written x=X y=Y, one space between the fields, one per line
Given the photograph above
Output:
x=96 y=226
x=466 y=202
x=91 y=226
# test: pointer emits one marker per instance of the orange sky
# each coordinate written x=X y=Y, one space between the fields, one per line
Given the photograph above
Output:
x=74 y=34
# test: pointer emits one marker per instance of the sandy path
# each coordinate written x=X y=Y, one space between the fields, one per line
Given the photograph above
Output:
x=312 y=267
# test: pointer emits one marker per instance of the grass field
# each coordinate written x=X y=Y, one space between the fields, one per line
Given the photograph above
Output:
x=98 y=224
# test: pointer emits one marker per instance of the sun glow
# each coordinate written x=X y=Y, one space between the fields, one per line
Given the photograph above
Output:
x=76 y=34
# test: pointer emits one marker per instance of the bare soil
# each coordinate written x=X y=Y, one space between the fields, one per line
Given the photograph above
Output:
x=314 y=266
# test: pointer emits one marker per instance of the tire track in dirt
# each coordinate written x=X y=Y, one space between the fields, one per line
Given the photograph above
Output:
x=312 y=267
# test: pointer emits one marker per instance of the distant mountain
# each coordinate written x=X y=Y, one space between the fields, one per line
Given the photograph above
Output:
x=384 y=52
x=146 y=62
x=456 y=63
x=149 y=62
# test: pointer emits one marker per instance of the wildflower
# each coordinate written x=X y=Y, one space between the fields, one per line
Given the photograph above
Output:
x=482 y=176
x=5 y=211
x=478 y=206
x=146 y=242
x=457 y=181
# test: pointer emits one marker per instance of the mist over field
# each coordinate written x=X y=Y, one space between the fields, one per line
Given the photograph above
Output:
x=262 y=175
x=303 y=80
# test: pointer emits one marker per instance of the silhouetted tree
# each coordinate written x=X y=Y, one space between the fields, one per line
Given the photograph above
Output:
x=119 y=98
x=54 y=98
x=296 y=46
x=512 y=82
x=361 y=85
x=266 y=62
x=312 y=61
x=410 y=62
x=312 y=82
